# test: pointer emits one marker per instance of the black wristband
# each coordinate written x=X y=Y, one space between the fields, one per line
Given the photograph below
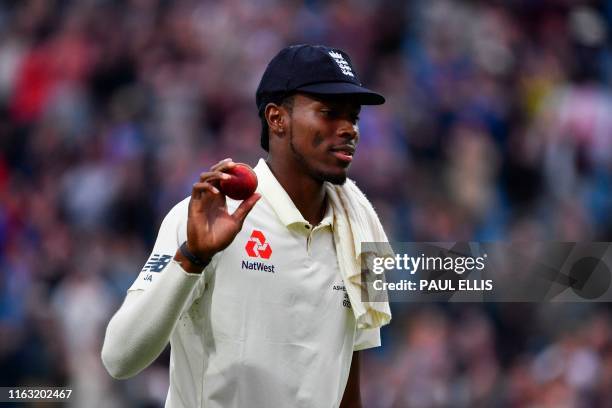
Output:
x=191 y=257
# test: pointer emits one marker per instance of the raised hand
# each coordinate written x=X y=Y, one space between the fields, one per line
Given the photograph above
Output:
x=210 y=228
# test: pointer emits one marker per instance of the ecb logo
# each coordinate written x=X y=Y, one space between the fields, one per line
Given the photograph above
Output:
x=342 y=63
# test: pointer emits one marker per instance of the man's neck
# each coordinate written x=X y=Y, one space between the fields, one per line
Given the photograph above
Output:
x=307 y=194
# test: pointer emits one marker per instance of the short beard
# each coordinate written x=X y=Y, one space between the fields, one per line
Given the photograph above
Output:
x=337 y=179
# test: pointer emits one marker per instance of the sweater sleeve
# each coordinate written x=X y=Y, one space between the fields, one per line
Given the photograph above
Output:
x=141 y=328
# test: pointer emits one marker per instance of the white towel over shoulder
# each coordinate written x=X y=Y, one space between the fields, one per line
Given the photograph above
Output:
x=355 y=221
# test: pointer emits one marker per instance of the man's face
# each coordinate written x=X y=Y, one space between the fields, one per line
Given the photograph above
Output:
x=323 y=135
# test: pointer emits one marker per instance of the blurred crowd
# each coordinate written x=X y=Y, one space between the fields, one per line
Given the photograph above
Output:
x=497 y=126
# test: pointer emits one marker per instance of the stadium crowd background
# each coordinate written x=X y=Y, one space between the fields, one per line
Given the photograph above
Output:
x=497 y=126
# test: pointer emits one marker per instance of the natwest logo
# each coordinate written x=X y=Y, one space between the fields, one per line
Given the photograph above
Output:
x=257 y=247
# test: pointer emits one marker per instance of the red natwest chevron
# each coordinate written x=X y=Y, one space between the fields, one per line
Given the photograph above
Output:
x=257 y=247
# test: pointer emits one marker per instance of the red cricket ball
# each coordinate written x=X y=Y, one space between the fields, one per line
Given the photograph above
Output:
x=242 y=184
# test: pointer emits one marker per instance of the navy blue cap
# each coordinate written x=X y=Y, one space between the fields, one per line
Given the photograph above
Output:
x=314 y=69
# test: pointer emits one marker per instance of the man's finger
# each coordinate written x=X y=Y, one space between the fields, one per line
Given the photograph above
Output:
x=223 y=165
x=229 y=159
x=201 y=188
x=245 y=207
x=213 y=175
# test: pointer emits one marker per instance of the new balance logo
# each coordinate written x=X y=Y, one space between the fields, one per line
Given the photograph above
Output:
x=257 y=247
x=342 y=63
x=156 y=263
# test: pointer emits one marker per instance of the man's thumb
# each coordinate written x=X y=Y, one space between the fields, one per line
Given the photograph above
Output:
x=245 y=207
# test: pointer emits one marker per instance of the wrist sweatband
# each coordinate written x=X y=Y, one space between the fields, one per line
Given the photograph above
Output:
x=191 y=257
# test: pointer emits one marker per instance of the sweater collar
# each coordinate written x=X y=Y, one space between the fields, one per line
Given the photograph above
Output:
x=274 y=193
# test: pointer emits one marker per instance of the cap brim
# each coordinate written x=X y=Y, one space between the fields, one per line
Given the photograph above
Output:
x=362 y=95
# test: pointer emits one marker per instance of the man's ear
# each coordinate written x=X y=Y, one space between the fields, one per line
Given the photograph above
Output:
x=276 y=116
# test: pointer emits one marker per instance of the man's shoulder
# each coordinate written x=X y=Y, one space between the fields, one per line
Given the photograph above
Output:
x=182 y=205
x=179 y=211
x=232 y=204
